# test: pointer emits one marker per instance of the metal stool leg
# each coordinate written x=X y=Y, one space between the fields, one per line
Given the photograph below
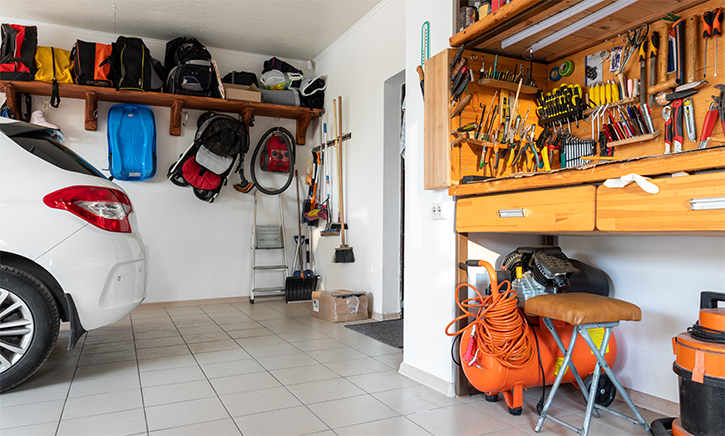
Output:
x=601 y=362
x=549 y=325
x=557 y=382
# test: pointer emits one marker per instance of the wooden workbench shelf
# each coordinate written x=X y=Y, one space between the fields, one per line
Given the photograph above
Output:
x=93 y=94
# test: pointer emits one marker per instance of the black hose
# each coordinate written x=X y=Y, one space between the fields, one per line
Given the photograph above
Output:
x=706 y=334
x=291 y=145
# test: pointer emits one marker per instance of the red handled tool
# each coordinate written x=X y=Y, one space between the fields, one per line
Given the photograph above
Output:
x=679 y=117
x=667 y=116
x=708 y=125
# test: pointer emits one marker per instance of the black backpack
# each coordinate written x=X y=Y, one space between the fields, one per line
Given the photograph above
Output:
x=132 y=66
x=190 y=68
x=17 y=52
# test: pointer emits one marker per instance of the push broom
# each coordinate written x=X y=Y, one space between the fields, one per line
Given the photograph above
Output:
x=344 y=253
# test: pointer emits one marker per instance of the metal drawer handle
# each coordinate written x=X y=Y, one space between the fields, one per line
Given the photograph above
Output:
x=511 y=213
x=707 y=203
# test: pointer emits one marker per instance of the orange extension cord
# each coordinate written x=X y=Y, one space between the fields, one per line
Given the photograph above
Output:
x=500 y=329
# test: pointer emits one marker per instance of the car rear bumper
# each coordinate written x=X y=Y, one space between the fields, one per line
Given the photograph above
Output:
x=104 y=272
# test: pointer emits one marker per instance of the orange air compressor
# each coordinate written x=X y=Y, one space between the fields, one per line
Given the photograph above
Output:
x=503 y=351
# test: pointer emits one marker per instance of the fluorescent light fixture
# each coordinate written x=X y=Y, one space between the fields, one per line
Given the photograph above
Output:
x=584 y=22
x=545 y=24
x=511 y=213
x=707 y=203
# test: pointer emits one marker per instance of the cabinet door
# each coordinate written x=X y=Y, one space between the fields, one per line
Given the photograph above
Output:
x=436 y=139
x=542 y=211
x=677 y=207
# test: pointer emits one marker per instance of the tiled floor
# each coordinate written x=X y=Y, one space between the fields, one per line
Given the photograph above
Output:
x=265 y=369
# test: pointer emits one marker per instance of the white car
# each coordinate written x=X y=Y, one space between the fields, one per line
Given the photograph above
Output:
x=69 y=249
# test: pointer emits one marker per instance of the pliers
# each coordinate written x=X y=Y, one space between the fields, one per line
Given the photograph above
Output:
x=527 y=142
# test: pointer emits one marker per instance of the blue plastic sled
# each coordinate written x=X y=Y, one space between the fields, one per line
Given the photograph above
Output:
x=131 y=142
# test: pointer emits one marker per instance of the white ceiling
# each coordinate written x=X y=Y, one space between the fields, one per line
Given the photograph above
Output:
x=298 y=29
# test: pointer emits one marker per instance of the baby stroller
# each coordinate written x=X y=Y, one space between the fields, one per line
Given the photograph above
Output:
x=220 y=143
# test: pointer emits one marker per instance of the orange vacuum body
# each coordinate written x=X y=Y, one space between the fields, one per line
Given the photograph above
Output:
x=489 y=375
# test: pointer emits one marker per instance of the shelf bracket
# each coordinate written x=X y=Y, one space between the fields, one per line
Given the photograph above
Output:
x=302 y=124
x=175 y=121
x=247 y=114
x=91 y=111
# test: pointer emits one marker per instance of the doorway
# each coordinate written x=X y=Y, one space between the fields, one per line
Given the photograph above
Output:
x=393 y=192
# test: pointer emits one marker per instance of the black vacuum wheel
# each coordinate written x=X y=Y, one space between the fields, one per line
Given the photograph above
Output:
x=606 y=390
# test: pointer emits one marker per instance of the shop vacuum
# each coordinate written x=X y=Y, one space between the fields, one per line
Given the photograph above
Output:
x=504 y=351
x=700 y=366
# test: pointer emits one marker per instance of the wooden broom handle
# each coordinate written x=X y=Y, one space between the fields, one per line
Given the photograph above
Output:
x=338 y=134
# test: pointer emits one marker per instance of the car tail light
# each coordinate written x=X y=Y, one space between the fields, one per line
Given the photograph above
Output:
x=105 y=208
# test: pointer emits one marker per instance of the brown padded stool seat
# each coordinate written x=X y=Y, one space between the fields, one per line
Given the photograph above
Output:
x=578 y=308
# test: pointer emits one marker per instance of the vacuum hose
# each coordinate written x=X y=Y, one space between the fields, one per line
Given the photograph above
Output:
x=500 y=329
x=289 y=140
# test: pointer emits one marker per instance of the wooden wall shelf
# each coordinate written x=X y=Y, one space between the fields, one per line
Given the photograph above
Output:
x=511 y=86
x=93 y=94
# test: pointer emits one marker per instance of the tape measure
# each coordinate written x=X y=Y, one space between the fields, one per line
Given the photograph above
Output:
x=424 y=42
x=555 y=74
x=566 y=68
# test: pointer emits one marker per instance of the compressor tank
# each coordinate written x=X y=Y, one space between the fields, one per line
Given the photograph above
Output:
x=489 y=375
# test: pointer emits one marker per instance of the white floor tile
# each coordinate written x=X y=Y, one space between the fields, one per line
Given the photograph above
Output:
x=414 y=399
x=221 y=356
x=170 y=376
x=235 y=367
x=248 y=403
x=335 y=355
x=351 y=411
x=31 y=414
x=325 y=390
x=126 y=422
x=207 y=347
x=177 y=392
x=399 y=426
x=102 y=403
x=185 y=413
x=244 y=383
x=271 y=363
x=365 y=365
x=45 y=429
x=169 y=362
x=224 y=427
x=381 y=381
x=460 y=419
x=286 y=422
x=304 y=374
x=102 y=385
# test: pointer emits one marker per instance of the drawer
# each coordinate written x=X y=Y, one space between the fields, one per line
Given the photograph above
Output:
x=543 y=211
x=630 y=209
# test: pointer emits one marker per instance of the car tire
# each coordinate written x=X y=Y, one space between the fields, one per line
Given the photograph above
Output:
x=26 y=343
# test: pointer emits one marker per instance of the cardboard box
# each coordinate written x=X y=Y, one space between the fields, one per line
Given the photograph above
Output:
x=340 y=306
x=242 y=92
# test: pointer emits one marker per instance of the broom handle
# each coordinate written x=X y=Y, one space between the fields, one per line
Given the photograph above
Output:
x=338 y=134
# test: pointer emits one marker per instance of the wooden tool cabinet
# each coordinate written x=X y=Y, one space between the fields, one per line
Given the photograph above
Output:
x=573 y=201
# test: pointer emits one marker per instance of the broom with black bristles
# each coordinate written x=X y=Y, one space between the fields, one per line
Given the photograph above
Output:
x=344 y=253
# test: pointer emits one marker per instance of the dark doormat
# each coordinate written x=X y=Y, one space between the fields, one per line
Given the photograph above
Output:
x=388 y=332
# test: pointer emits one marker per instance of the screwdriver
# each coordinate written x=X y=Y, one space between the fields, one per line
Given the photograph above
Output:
x=711 y=26
x=717 y=31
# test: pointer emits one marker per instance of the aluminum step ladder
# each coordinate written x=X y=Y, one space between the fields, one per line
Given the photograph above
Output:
x=268 y=237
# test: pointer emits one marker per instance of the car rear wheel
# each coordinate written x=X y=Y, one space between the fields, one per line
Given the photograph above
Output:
x=29 y=325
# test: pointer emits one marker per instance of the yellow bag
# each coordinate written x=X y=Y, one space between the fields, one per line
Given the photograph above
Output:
x=54 y=65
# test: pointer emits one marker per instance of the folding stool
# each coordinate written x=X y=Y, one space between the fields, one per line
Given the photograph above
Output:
x=585 y=311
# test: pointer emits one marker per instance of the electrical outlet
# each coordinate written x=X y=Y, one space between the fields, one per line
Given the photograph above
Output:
x=437 y=211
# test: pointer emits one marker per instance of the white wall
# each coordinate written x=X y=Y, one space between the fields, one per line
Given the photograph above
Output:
x=664 y=277
x=358 y=64
x=196 y=250
x=430 y=269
